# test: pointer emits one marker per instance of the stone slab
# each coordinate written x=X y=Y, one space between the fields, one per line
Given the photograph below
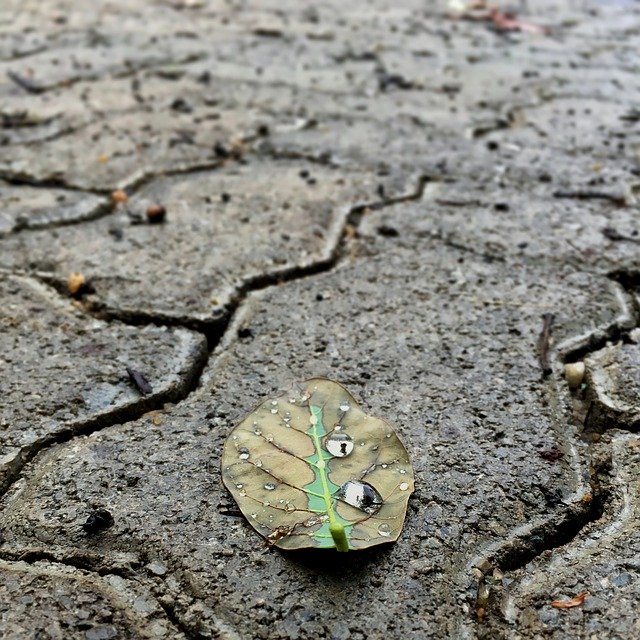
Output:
x=439 y=342
x=26 y=207
x=280 y=216
x=63 y=373
x=47 y=600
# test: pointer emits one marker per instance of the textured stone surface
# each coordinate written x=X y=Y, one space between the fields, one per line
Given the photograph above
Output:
x=46 y=600
x=410 y=337
x=62 y=373
x=613 y=379
x=501 y=172
x=29 y=207
x=223 y=229
x=602 y=560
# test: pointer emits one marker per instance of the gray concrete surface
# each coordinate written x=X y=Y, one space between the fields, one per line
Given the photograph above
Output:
x=382 y=193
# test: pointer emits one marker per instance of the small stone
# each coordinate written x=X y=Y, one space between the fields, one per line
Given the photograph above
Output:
x=574 y=374
x=156 y=214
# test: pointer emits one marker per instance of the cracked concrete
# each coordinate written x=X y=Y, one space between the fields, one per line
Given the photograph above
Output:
x=384 y=194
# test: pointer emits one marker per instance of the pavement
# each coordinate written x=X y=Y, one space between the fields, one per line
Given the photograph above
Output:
x=205 y=201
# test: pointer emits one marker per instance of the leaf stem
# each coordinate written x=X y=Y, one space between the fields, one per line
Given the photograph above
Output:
x=335 y=528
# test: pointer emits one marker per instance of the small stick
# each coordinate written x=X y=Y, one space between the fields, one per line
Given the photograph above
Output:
x=544 y=340
x=138 y=378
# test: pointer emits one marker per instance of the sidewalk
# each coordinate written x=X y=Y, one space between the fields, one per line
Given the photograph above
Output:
x=382 y=193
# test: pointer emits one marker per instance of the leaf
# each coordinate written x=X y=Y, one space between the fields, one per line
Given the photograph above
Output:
x=311 y=469
x=573 y=602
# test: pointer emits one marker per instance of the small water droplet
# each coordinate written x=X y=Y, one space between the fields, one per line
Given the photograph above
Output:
x=360 y=495
x=274 y=403
x=362 y=443
x=269 y=486
x=254 y=515
x=404 y=486
x=375 y=447
x=239 y=485
x=270 y=437
x=313 y=419
x=292 y=400
x=403 y=471
x=274 y=411
x=257 y=431
x=266 y=503
x=337 y=427
x=388 y=435
x=258 y=463
x=290 y=507
x=384 y=530
x=243 y=453
x=234 y=437
x=384 y=466
x=344 y=407
x=339 y=444
x=243 y=493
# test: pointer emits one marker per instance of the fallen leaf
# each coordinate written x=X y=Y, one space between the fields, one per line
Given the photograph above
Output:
x=310 y=469
x=573 y=602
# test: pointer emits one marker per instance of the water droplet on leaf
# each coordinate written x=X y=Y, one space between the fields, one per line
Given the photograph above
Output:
x=269 y=486
x=339 y=444
x=360 y=495
x=404 y=486
x=344 y=407
x=384 y=530
x=243 y=453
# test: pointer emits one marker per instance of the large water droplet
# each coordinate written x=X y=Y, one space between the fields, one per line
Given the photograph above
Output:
x=404 y=486
x=384 y=530
x=360 y=495
x=269 y=486
x=339 y=444
x=243 y=453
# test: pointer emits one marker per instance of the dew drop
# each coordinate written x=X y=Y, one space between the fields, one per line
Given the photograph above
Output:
x=243 y=453
x=243 y=494
x=388 y=435
x=274 y=403
x=384 y=466
x=384 y=530
x=404 y=486
x=234 y=438
x=257 y=431
x=258 y=463
x=290 y=507
x=274 y=411
x=254 y=515
x=339 y=444
x=239 y=485
x=269 y=486
x=403 y=471
x=292 y=400
x=344 y=407
x=313 y=419
x=266 y=503
x=270 y=437
x=360 y=495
